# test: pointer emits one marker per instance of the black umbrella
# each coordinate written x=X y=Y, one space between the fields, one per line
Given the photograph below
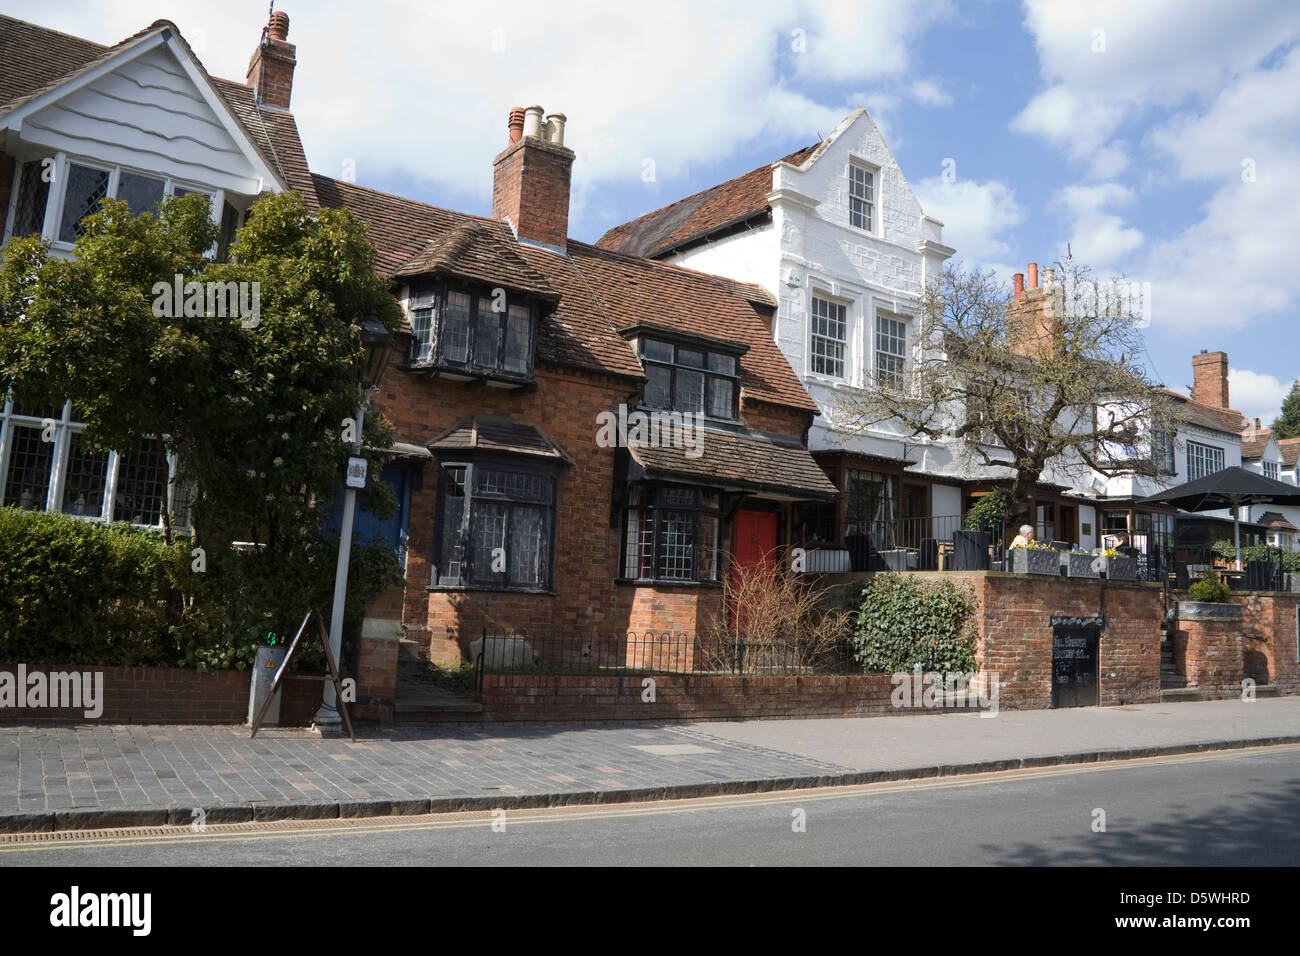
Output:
x=1229 y=488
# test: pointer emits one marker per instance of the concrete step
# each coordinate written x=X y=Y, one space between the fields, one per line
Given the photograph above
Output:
x=1176 y=694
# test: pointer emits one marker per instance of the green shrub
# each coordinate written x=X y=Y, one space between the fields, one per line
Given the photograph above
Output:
x=79 y=592
x=1290 y=560
x=990 y=512
x=1211 y=589
x=903 y=622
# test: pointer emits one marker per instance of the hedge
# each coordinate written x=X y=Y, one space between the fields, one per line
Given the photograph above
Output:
x=79 y=592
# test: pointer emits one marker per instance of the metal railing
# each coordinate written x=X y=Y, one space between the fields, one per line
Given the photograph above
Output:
x=641 y=653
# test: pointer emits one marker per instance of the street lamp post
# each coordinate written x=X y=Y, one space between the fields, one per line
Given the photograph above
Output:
x=377 y=343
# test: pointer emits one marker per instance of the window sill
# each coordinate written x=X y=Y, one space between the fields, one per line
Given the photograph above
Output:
x=666 y=583
x=455 y=588
x=460 y=373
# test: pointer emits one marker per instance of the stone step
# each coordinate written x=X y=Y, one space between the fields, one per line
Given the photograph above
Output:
x=1176 y=694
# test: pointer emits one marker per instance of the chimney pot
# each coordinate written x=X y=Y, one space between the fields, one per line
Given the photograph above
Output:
x=278 y=27
x=1032 y=282
x=1018 y=284
x=533 y=121
x=516 y=124
x=555 y=127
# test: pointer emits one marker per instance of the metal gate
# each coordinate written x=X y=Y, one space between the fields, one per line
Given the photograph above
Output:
x=1074 y=661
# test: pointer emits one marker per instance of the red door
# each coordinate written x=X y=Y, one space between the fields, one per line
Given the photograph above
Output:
x=755 y=544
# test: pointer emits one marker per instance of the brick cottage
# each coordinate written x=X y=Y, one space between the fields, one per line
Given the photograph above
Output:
x=544 y=504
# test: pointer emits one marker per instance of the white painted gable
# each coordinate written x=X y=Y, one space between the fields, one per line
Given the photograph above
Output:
x=145 y=110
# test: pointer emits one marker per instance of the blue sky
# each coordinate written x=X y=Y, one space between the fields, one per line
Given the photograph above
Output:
x=1160 y=139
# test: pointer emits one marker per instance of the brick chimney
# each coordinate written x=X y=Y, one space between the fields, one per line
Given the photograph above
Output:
x=530 y=178
x=270 y=71
x=1210 y=379
x=1033 y=316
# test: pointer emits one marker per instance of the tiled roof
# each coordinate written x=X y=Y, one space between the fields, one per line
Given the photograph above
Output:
x=1251 y=449
x=699 y=215
x=1290 y=451
x=1272 y=519
x=475 y=249
x=745 y=461
x=1207 y=416
x=600 y=291
x=493 y=433
x=34 y=59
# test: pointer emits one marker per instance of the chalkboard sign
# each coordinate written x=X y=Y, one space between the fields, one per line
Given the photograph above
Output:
x=1074 y=662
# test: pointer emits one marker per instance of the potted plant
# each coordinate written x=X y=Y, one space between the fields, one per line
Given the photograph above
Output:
x=1114 y=566
x=1079 y=563
x=1037 y=558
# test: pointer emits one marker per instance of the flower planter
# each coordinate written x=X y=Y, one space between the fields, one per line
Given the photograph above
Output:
x=1035 y=561
x=1117 y=569
x=1079 y=565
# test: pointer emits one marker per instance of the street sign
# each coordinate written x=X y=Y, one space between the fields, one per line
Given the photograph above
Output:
x=357 y=472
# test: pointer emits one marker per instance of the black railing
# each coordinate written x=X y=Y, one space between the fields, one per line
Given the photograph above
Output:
x=930 y=543
x=638 y=653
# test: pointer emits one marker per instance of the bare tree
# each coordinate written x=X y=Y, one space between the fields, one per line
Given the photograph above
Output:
x=1049 y=381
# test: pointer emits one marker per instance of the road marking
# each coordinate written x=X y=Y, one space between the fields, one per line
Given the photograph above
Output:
x=477 y=819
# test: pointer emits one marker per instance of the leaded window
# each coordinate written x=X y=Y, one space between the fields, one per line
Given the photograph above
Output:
x=672 y=533
x=496 y=526
x=692 y=379
x=86 y=186
x=33 y=194
x=481 y=333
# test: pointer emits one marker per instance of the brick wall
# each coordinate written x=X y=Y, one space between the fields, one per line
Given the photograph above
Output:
x=578 y=698
x=1209 y=654
x=159 y=695
x=1269 y=638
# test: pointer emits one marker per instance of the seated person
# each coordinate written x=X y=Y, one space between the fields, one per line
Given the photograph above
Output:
x=1125 y=547
x=1025 y=538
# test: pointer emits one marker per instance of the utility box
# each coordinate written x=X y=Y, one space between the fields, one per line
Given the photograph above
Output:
x=267 y=665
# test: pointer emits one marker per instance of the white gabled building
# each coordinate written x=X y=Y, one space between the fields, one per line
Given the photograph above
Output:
x=836 y=234
x=137 y=121
x=1274 y=458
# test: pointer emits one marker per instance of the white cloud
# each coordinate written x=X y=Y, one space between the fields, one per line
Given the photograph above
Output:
x=976 y=216
x=1255 y=394
x=420 y=93
x=1098 y=235
x=1074 y=121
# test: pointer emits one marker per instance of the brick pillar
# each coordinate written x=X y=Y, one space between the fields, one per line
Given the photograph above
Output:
x=1210 y=653
x=381 y=629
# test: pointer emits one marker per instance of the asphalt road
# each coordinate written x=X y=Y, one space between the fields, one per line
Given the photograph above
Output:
x=1231 y=808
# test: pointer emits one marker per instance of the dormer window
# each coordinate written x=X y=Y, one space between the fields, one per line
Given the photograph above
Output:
x=690 y=377
x=480 y=332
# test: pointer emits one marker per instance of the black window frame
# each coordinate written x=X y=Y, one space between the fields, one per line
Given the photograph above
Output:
x=31 y=196
x=655 y=500
x=471 y=576
x=709 y=350
x=434 y=298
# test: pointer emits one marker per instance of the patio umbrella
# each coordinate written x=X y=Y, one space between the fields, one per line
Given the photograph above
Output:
x=1229 y=488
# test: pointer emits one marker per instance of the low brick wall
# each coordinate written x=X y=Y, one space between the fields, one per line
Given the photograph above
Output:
x=1209 y=654
x=687 y=697
x=161 y=695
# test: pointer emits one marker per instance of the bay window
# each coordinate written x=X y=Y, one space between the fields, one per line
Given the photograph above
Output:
x=481 y=332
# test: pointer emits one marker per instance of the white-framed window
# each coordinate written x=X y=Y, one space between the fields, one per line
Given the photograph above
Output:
x=1270 y=470
x=1203 y=460
x=891 y=350
x=46 y=464
x=828 y=338
x=862 y=197
x=79 y=185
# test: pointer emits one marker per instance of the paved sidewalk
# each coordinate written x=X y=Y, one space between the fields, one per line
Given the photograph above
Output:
x=91 y=775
